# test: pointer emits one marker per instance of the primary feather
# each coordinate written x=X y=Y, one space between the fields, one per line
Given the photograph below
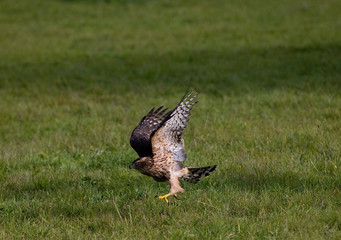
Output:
x=169 y=136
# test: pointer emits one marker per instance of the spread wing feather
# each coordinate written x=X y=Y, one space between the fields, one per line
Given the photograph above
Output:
x=140 y=137
x=168 y=138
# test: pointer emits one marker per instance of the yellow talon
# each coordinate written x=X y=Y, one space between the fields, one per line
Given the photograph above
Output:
x=164 y=197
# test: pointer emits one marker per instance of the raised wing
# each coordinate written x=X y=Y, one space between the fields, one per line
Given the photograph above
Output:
x=168 y=138
x=140 y=137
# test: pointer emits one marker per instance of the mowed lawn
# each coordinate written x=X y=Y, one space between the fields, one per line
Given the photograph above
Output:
x=77 y=76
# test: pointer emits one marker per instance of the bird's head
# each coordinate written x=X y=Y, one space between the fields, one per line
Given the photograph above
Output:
x=139 y=163
x=134 y=164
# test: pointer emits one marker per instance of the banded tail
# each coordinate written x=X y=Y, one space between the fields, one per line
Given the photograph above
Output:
x=195 y=173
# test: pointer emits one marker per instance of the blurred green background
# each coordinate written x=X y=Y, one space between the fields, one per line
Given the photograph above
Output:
x=77 y=76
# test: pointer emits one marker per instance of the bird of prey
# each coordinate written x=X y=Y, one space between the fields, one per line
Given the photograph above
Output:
x=158 y=141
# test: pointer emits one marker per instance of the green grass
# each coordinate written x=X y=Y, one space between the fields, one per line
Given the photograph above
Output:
x=77 y=76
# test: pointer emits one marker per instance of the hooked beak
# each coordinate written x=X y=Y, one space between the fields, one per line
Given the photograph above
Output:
x=132 y=165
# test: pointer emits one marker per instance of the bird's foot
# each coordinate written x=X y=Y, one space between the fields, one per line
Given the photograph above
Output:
x=163 y=197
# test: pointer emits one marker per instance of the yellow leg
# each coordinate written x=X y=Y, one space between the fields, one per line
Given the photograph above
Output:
x=164 y=197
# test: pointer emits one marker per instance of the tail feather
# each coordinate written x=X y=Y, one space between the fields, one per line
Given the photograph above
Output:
x=195 y=173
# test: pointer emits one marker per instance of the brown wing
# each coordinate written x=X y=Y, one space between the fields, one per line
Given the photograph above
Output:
x=140 y=137
x=168 y=138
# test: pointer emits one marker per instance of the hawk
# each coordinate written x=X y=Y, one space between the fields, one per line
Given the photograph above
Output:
x=158 y=141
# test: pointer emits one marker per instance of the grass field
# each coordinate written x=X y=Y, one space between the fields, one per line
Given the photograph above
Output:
x=77 y=76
